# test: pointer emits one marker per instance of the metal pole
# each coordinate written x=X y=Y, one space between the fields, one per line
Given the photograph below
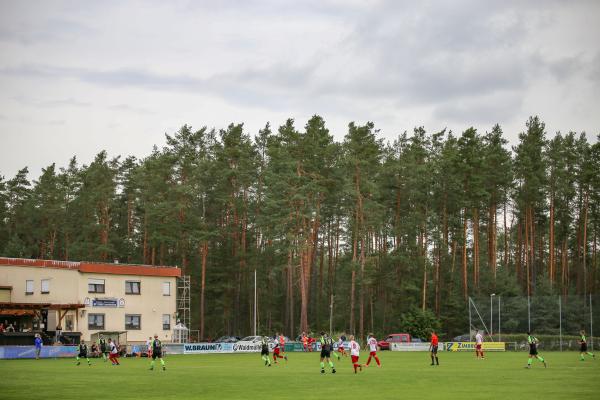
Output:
x=255 y=301
x=528 y=314
x=470 y=336
x=499 y=334
x=591 y=325
x=331 y=316
x=491 y=316
x=560 y=321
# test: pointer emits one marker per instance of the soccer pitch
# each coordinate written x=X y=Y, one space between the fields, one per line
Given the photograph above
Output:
x=244 y=376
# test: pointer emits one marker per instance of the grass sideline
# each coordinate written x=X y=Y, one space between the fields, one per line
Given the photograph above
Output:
x=243 y=376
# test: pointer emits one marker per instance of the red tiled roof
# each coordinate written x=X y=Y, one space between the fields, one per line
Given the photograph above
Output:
x=99 y=268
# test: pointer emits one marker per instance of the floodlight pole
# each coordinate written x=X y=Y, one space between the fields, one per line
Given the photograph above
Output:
x=255 y=302
x=491 y=315
x=331 y=316
x=499 y=334
x=470 y=336
x=591 y=325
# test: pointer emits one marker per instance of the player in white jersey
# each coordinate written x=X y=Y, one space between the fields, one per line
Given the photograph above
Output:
x=354 y=353
x=479 y=345
x=149 y=347
x=372 y=342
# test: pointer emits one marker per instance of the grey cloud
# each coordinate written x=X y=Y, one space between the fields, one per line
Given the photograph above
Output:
x=485 y=110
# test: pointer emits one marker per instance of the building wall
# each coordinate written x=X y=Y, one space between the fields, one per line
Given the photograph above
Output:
x=70 y=286
x=150 y=304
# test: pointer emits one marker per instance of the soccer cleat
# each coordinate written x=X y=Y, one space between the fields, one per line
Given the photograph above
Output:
x=164 y=368
x=432 y=364
x=322 y=371
x=333 y=371
x=151 y=368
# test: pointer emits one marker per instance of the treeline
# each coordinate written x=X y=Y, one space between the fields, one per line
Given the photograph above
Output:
x=384 y=229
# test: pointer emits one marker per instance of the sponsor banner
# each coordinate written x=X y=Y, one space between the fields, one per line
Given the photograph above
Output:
x=29 y=351
x=204 y=348
x=470 y=346
x=412 y=346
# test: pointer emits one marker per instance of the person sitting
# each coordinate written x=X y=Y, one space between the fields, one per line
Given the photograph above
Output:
x=10 y=328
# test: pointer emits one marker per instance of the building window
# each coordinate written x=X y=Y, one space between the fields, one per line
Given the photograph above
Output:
x=132 y=287
x=45 y=286
x=96 y=286
x=95 y=321
x=166 y=288
x=28 y=287
x=133 y=322
x=166 y=322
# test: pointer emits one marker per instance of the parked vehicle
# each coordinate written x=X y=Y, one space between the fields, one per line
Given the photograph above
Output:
x=228 y=339
x=396 y=338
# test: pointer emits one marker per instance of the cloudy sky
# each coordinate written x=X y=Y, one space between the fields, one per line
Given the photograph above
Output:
x=77 y=76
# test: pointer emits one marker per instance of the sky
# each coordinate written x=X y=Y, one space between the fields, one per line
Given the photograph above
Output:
x=78 y=77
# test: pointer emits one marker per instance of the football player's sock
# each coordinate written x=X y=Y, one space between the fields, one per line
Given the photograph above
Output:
x=152 y=364
x=331 y=364
x=162 y=362
x=541 y=358
x=529 y=361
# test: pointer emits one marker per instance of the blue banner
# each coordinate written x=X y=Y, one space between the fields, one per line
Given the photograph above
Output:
x=29 y=351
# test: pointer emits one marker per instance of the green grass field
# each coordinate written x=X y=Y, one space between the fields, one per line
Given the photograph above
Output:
x=243 y=376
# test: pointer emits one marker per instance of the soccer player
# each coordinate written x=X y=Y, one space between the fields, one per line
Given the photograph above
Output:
x=433 y=349
x=533 y=353
x=372 y=342
x=326 y=347
x=354 y=353
x=277 y=351
x=113 y=355
x=83 y=353
x=341 y=349
x=583 y=346
x=332 y=347
x=149 y=347
x=264 y=351
x=103 y=349
x=304 y=341
x=479 y=345
x=157 y=353
x=38 y=345
x=282 y=345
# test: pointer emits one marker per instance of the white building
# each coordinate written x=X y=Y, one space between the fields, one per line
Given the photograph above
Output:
x=90 y=298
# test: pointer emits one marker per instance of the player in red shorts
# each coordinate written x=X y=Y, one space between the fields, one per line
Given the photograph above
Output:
x=479 y=345
x=433 y=348
x=277 y=350
x=304 y=341
x=354 y=353
x=372 y=342
x=341 y=348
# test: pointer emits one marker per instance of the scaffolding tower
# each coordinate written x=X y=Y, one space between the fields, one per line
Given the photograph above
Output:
x=184 y=300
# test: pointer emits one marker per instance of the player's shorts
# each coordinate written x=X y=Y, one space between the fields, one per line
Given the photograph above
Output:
x=264 y=352
x=434 y=349
x=156 y=354
x=82 y=355
x=583 y=347
x=533 y=351
x=340 y=348
x=325 y=353
x=276 y=351
x=478 y=346
x=354 y=359
x=373 y=353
